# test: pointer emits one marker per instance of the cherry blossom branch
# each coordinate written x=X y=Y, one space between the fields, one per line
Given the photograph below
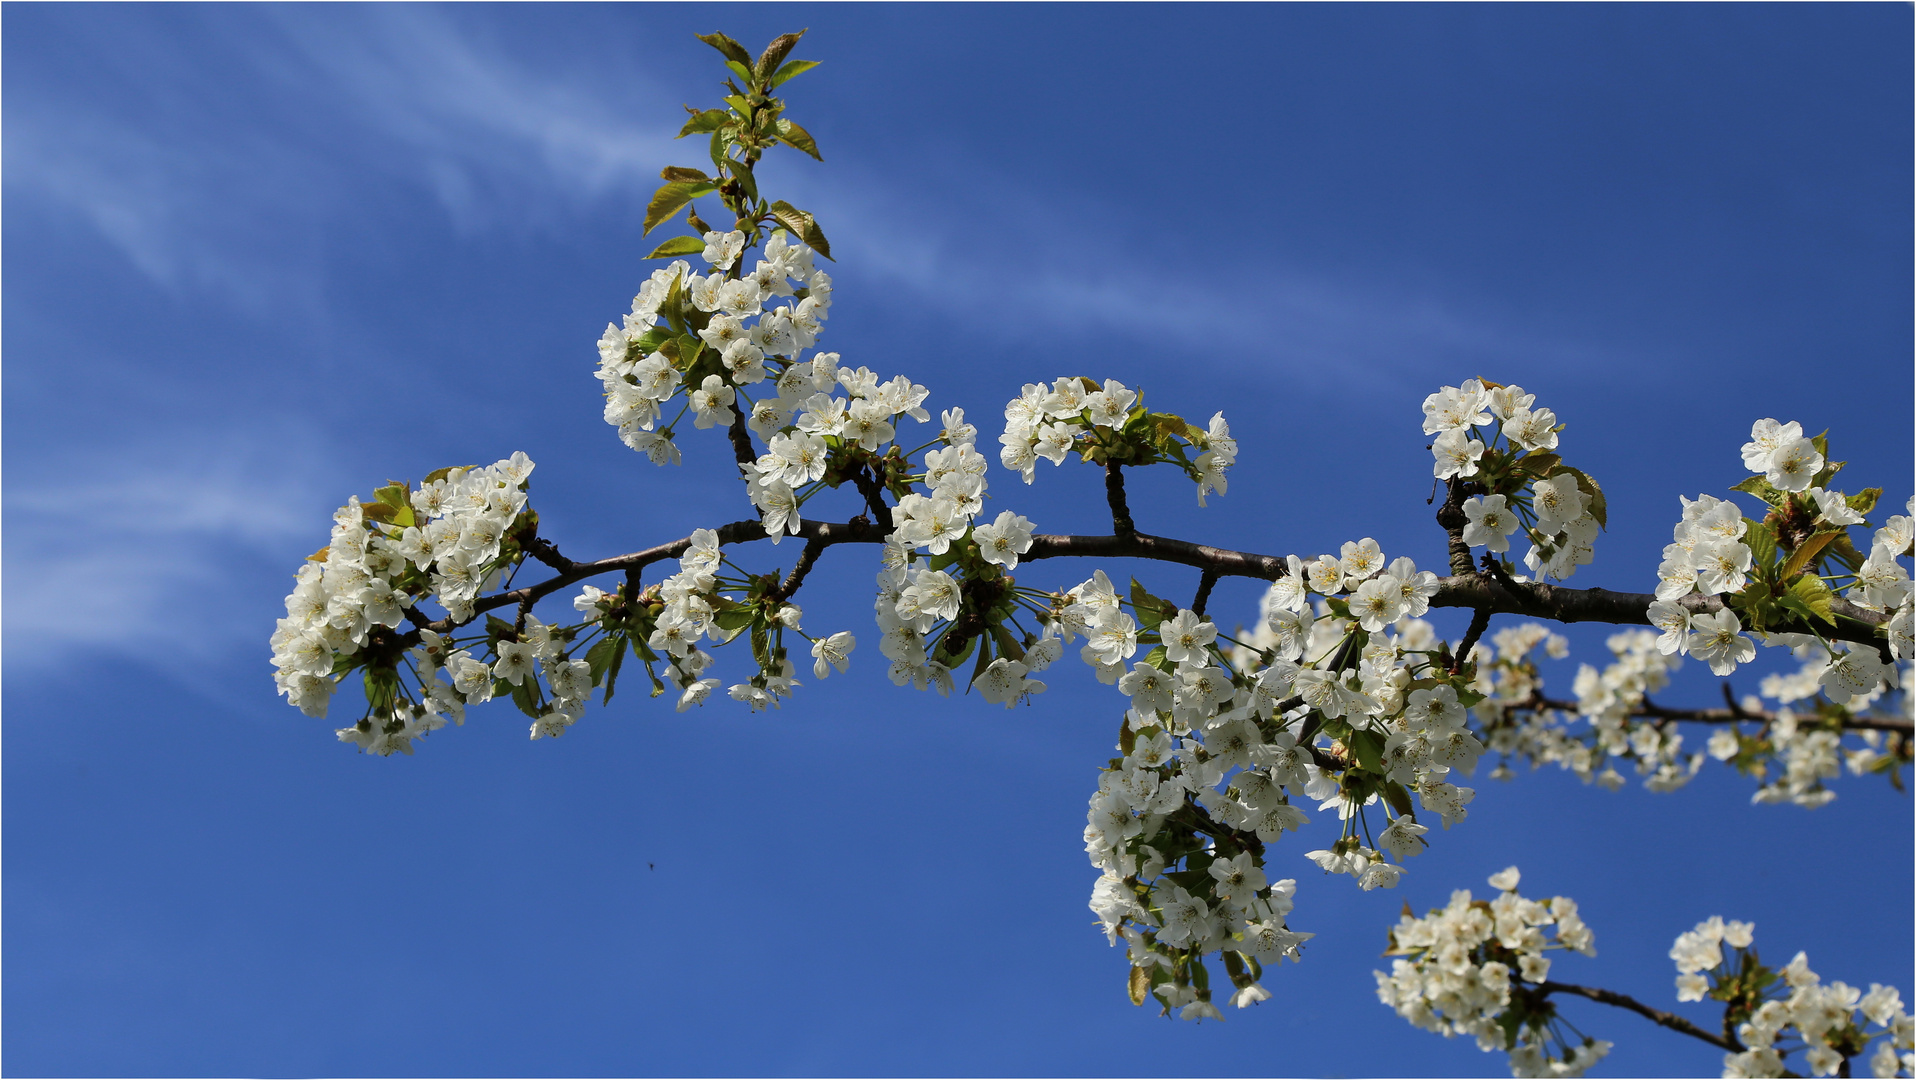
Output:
x=1121 y=522
x=803 y=566
x=1205 y=583
x=1624 y=1001
x=1479 y=622
x=1468 y=590
x=1647 y=708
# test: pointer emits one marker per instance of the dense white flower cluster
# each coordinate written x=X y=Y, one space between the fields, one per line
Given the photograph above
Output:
x=446 y=540
x=1528 y=487
x=1807 y=523
x=1821 y=1017
x=678 y=315
x=1108 y=423
x=1462 y=969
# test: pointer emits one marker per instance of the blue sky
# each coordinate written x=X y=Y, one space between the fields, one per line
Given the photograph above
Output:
x=261 y=258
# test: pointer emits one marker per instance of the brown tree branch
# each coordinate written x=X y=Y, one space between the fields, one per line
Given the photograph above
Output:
x=1121 y=522
x=1469 y=590
x=1624 y=1001
x=1647 y=708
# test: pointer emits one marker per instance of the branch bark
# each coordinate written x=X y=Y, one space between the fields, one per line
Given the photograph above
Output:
x=1467 y=590
x=1624 y=1001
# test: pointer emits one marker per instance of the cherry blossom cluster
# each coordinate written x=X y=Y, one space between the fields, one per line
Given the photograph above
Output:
x=1495 y=439
x=1108 y=424
x=1462 y=970
x=707 y=336
x=447 y=540
x=1344 y=702
x=1777 y=1012
x=1794 y=751
x=1768 y=569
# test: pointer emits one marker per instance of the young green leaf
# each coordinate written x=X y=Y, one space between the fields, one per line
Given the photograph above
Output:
x=797 y=138
x=776 y=52
x=1810 y=594
x=678 y=245
x=732 y=49
x=792 y=70
x=704 y=120
x=671 y=198
x=1804 y=554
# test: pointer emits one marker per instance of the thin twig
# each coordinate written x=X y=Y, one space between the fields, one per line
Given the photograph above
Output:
x=1205 y=582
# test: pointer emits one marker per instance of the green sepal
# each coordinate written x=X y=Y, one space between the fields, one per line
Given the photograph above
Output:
x=678 y=245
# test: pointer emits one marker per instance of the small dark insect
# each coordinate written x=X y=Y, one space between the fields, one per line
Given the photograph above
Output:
x=649 y=866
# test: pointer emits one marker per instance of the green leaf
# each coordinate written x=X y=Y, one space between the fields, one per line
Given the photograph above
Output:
x=1151 y=610
x=522 y=696
x=1008 y=646
x=742 y=71
x=1845 y=553
x=815 y=238
x=675 y=173
x=1598 y=507
x=703 y=121
x=1762 y=489
x=1369 y=747
x=791 y=70
x=599 y=656
x=612 y=674
x=1540 y=464
x=671 y=198
x=797 y=138
x=1805 y=553
x=1399 y=799
x=1761 y=540
x=732 y=49
x=1812 y=595
x=678 y=245
x=743 y=174
x=1158 y=658
x=1864 y=501
x=775 y=53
